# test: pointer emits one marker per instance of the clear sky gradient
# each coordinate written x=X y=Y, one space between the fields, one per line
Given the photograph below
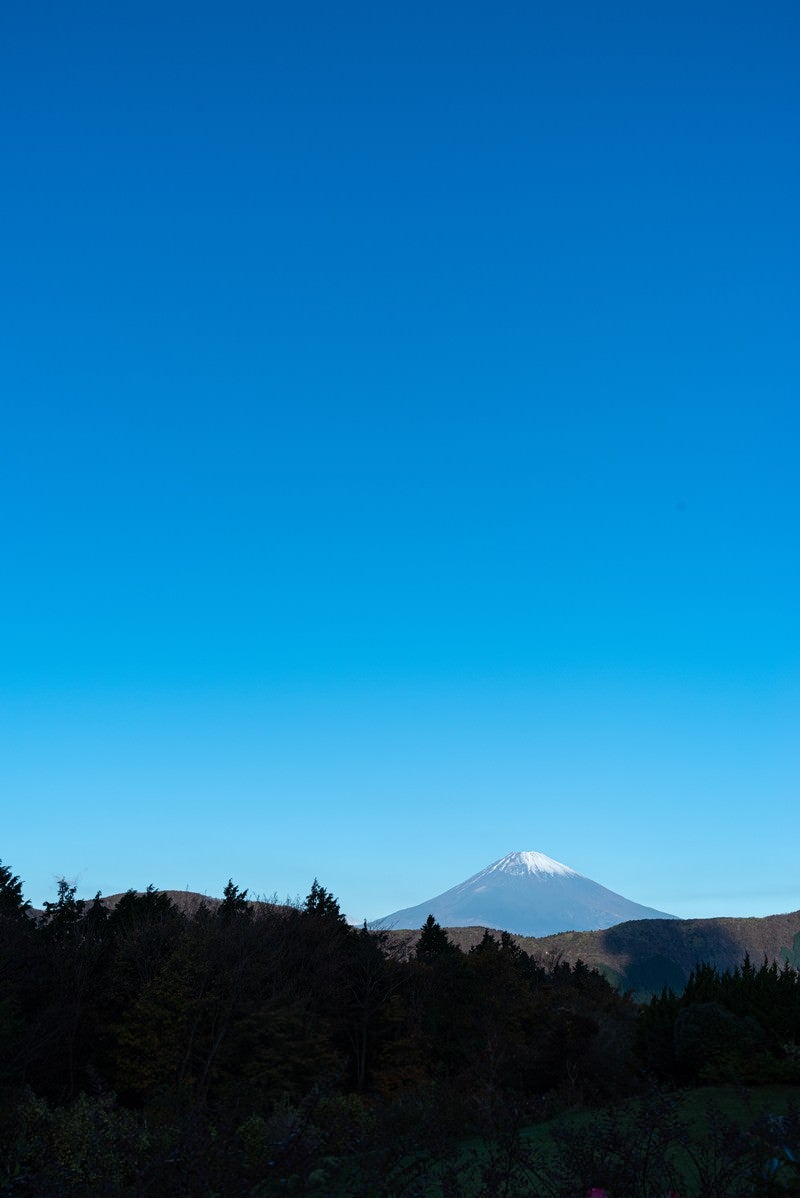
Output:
x=399 y=448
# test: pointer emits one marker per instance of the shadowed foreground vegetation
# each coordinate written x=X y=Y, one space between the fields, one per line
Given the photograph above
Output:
x=258 y=1050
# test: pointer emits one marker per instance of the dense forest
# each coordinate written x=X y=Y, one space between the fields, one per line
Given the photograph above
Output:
x=260 y=1049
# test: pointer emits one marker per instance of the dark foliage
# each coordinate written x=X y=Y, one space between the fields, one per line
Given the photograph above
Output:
x=740 y=1025
x=12 y=903
x=263 y=1050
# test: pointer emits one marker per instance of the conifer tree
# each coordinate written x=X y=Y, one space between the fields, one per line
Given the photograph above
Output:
x=433 y=941
x=321 y=902
x=11 y=901
x=234 y=904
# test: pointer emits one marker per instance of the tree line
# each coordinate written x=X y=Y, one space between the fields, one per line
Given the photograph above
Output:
x=257 y=1049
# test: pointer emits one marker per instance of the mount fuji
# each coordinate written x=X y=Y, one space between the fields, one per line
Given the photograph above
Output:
x=526 y=893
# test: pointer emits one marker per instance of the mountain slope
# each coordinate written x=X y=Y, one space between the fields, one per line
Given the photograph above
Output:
x=529 y=894
x=648 y=954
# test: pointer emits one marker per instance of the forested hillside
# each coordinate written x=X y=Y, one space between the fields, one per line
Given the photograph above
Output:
x=644 y=955
x=260 y=1049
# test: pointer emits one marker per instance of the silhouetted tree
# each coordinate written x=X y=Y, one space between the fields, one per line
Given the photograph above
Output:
x=234 y=904
x=322 y=904
x=12 y=903
x=62 y=917
x=434 y=942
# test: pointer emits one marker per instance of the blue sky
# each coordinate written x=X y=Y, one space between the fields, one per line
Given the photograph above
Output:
x=399 y=442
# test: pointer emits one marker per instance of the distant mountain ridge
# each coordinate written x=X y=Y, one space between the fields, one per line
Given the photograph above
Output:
x=529 y=894
x=645 y=955
x=642 y=955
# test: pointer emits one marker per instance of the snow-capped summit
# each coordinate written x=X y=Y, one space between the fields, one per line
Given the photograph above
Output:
x=527 y=893
x=530 y=863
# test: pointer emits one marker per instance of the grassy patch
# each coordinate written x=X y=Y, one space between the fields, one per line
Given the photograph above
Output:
x=695 y=1142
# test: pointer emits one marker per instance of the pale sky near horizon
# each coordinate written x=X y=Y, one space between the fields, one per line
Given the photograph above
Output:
x=399 y=448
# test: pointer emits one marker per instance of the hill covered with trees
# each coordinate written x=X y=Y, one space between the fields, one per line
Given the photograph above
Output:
x=257 y=1049
x=644 y=955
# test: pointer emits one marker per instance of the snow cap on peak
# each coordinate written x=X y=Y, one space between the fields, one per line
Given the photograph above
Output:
x=532 y=863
